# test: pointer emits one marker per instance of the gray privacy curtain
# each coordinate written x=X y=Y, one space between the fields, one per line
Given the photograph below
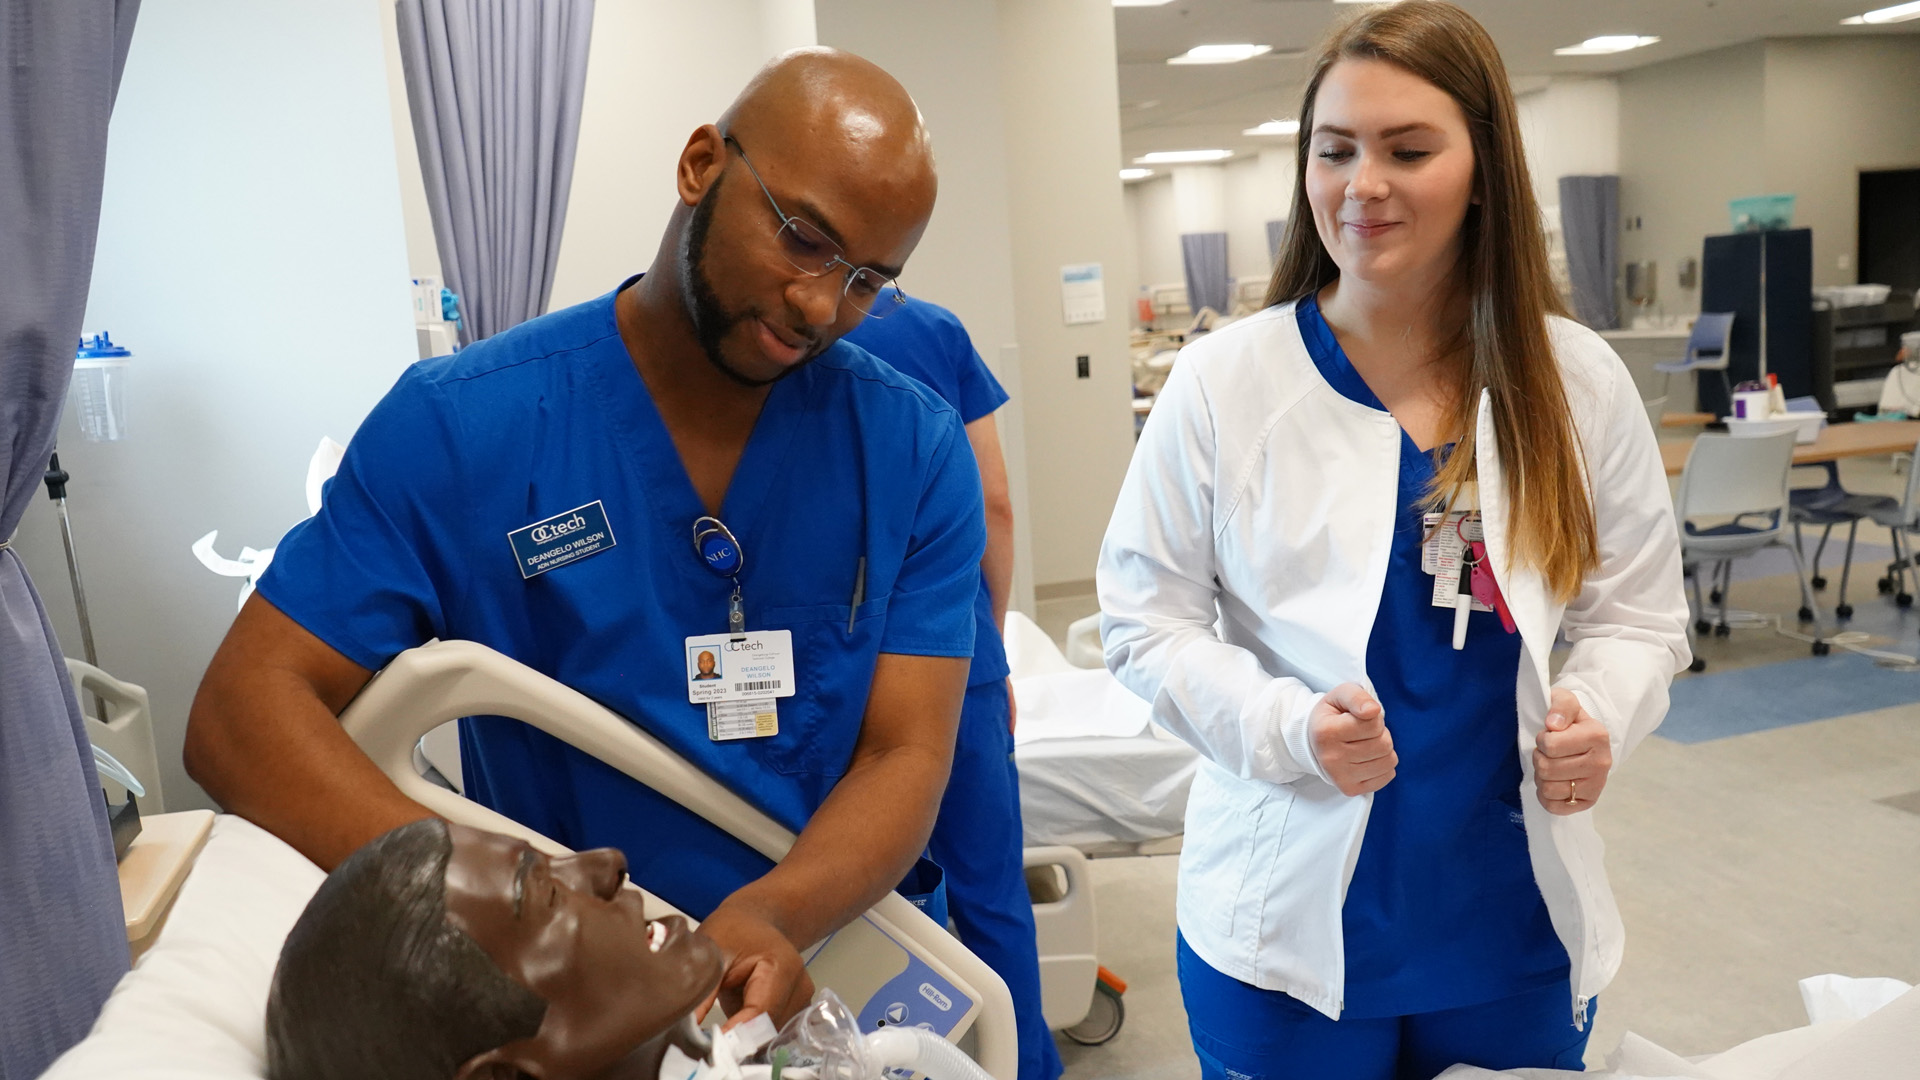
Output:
x=1276 y=231
x=495 y=89
x=1207 y=283
x=63 y=938
x=1590 y=226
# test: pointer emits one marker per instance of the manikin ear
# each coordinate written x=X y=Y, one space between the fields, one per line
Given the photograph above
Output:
x=497 y=1064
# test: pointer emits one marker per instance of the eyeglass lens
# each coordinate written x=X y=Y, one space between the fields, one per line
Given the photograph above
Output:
x=814 y=252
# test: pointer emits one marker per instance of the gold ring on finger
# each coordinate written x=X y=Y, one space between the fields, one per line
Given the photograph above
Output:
x=1573 y=787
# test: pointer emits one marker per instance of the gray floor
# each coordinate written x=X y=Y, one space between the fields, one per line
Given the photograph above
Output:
x=1741 y=865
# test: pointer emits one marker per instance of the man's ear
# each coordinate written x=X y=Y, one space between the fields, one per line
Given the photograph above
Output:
x=700 y=163
x=496 y=1064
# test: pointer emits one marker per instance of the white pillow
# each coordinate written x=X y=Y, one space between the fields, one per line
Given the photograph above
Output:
x=195 y=1004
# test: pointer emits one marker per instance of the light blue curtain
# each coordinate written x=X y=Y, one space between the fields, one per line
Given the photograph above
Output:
x=63 y=937
x=495 y=87
x=1590 y=227
x=1207 y=282
x=1276 y=231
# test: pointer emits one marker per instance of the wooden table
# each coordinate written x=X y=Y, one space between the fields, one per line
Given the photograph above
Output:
x=1836 y=441
x=156 y=865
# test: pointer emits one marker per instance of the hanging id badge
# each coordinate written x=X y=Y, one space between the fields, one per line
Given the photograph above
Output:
x=1454 y=551
x=738 y=674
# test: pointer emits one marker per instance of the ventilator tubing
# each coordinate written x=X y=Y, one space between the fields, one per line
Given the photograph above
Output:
x=922 y=1052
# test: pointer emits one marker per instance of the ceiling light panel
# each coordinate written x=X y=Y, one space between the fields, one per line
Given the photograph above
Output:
x=1606 y=45
x=1135 y=174
x=1274 y=127
x=1896 y=13
x=1220 y=54
x=1182 y=157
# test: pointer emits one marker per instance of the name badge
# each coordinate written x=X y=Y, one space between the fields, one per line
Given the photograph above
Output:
x=739 y=667
x=561 y=539
x=1444 y=552
x=730 y=720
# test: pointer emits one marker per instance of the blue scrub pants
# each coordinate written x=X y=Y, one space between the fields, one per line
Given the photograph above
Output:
x=977 y=840
x=1242 y=1032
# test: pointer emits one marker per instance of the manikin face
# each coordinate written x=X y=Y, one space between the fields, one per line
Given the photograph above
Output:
x=613 y=981
x=757 y=317
x=1390 y=173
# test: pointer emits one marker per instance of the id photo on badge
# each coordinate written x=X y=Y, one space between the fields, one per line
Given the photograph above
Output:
x=703 y=664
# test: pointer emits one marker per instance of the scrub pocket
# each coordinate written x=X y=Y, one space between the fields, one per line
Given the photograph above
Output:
x=833 y=672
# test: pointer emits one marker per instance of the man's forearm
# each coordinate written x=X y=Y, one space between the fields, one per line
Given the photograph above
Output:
x=263 y=740
x=856 y=849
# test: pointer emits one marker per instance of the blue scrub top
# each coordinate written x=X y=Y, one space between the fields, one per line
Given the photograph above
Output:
x=928 y=342
x=1443 y=911
x=848 y=459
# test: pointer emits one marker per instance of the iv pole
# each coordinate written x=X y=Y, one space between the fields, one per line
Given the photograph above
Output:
x=56 y=479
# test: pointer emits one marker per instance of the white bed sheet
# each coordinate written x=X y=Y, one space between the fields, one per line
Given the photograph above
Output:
x=194 y=1005
x=1095 y=773
x=1090 y=793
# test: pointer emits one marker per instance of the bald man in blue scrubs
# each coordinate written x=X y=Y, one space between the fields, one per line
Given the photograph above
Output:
x=691 y=462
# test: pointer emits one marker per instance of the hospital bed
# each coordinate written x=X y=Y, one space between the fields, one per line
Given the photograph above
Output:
x=1097 y=780
x=194 y=1004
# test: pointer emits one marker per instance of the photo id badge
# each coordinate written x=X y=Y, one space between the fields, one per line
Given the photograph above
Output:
x=1443 y=553
x=730 y=720
x=739 y=667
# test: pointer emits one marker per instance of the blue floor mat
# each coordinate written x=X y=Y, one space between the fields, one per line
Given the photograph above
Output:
x=1713 y=705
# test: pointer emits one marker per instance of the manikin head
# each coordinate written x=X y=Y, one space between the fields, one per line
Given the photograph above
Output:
x=439 y=951
x=837 y=143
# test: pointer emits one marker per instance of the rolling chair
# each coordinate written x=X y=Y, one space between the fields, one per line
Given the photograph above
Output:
x=1744 y=480
x=1706 y=351
x=1831 y=505
x=1902 y=520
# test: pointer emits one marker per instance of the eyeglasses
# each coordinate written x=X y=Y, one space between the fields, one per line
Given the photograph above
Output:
x=815 y=254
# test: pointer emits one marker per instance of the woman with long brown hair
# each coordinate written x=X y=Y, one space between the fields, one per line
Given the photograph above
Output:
x=1353 y=529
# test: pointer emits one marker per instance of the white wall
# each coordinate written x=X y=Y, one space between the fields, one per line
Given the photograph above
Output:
x=1690 y=139
x=1836 y=106
x=657 y=70
x=944 y=56
x=252 y=255
x=1156 y=232
x=1059 y=79
x=1238 y=197
x=1571 y=127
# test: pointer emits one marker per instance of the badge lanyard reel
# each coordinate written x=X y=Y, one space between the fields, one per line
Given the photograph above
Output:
x=720 y=553
x=736 y=675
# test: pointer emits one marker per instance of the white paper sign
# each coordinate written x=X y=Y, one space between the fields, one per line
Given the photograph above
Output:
x=1083 y=294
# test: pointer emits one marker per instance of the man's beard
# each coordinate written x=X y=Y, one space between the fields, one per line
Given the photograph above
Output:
x=711 y=320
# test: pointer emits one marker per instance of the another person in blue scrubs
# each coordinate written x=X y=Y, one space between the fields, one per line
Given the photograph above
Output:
x=541 y=493
x=977 y=838
x=1353 y=529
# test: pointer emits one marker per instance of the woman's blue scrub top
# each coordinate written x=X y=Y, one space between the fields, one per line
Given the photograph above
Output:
x=1443 y=911
x=849 y=459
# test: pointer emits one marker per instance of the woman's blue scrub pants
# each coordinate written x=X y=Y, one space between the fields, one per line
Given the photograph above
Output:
x=977 y=840
x=1242 y=1032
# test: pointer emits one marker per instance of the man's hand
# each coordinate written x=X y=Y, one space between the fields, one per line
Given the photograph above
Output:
x=1350 y=736
x=763 y=973
x=1571 y=759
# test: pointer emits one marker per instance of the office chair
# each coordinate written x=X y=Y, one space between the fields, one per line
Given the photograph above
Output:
x=1706 y=351
x=1744 y=480
x=1902 y=520
x=1831 y=505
